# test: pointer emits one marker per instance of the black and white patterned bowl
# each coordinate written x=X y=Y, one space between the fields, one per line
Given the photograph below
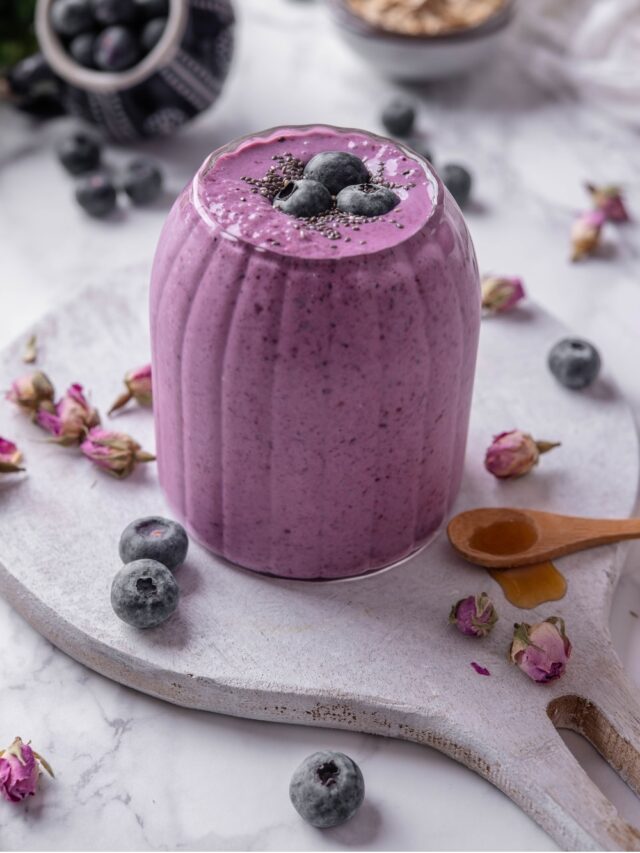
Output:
x=179 y=78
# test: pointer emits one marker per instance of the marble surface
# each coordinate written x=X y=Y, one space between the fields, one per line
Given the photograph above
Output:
x=134 y=773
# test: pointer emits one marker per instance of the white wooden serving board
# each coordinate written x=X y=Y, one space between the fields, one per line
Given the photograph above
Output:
x=374 y=655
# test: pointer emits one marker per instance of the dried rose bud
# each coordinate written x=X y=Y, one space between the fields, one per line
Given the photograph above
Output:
x=585 y=234
x=138 y=384
x=30 y=354
x=500 y=294
x=10 y=457
x=32 y=393
x=20 y=771
x=541 y=651
x=610 y=201
x=474 y=616
x=72 y=419
x=115 y=452
x=515 y=453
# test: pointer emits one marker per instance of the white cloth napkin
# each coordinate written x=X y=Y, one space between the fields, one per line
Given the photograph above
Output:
x=591 y=45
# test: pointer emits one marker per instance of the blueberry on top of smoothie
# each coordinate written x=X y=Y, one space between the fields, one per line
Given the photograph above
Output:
x=336 y=170
x=366 y=200
x=303 y=198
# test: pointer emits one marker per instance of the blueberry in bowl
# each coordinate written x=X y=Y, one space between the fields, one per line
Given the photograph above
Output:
x=69 y=18
x=109 y=12
x=137 y=68
x=116 y=49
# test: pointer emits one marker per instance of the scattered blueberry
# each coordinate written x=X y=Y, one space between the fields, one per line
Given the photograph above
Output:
x=82 y=49
x=96 y=195
x=155 y=538
x=458 y=181
x=147 y=9
x=70 y=17
x=336 y=170
x=144 y=593
x=142 y=181
x=327 y=789
x=109 y=12
x=31 y=75
x=366 y=200
x=427 y=153
x=575 y=363
x=303 y=198
x=35 y=88
x=116 y=49
x=79 y=153
x=152 y=33
x=398 y=117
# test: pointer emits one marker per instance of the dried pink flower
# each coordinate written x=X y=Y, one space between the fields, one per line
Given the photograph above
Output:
x=610 y=201
x=501 y=293
x=541 y=651
x=474 y=616
x=72 y=419
x=515 y=453
x=585 y=234
x=10 y=457
x=31 y=393
x=481 y=670
x=20 y=771
x=114 y=452
x=138 y=382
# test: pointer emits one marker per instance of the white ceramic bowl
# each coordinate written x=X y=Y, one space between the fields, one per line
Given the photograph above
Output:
x=421 y=58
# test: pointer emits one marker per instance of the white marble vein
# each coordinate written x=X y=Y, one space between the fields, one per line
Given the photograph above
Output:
x=133 y=773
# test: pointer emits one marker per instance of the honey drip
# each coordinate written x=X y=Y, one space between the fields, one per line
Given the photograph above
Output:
x=529 y=586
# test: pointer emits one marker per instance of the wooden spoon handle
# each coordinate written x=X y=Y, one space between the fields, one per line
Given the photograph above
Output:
x=591 y=532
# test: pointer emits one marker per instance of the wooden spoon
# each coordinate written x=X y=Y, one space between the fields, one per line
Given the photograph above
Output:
x=502 y=538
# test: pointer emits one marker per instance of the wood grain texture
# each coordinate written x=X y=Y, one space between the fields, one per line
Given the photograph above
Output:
x=553 y=535
x=374 y=655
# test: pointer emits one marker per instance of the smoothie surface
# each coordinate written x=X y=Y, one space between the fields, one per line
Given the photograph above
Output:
x=227 y=192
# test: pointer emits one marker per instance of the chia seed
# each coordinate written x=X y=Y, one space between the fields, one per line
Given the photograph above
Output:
x=288 y=168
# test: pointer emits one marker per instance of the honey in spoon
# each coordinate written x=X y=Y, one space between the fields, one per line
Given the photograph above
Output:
x=527 y=586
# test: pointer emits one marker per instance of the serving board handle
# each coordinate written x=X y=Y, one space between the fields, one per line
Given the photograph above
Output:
x=564 y=801
x=529 y=761
x=606 y=712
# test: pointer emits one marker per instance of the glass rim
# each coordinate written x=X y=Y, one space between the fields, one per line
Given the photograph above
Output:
x=436 y=188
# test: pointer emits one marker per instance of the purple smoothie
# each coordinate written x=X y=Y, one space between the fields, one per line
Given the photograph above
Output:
x=312 y=381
